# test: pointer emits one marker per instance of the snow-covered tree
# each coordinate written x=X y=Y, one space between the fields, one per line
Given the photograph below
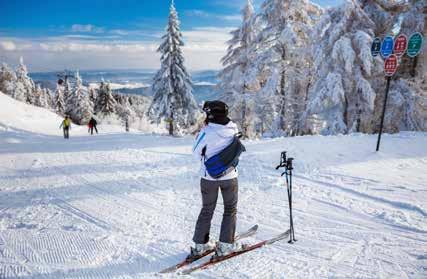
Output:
x=49 y=97
x=284 y=61
x=238 y=79
x=40 y=97
x=81 y=109
x=24 y=84
x=59 y=103
x=105 y=103
x=123 y=109
x=68 y=98
x=8 y=83
x=172 y=86
x=93 y=95
x=343 y=93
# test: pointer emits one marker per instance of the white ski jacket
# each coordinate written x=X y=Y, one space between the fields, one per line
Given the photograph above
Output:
x=215 y=137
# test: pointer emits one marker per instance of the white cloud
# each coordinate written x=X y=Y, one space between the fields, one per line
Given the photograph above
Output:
x=97 y=47
x=207 y=38
x=16 y=45
x=8 y=45
x=86 y=28
x=203 y=49
x=119 y=32
x=200 y=13
x=236 y=17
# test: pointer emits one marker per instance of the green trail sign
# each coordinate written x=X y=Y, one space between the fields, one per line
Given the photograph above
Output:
x=414 y=44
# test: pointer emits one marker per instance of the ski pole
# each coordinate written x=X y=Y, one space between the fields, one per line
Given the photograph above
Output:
x=289 y=167
x=290 y=206
x=287 y=164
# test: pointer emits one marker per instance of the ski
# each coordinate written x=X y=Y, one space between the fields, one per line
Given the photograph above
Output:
x=188 y=261
x=215 y=260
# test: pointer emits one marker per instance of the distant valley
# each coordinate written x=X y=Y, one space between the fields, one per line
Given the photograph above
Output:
x=136 y=81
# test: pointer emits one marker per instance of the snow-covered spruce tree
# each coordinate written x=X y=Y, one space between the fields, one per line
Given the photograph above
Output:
x=342 y=98
x=49 y=98
x=238 y=80
x=8 y=83
x=172 y=87
x=93 y=95
x=81 y=109
x=40 y=97
x=284 y=62
x=59 y=103
x=68 y=95
x=24 y=84
x=123 y=109
x=105 y=103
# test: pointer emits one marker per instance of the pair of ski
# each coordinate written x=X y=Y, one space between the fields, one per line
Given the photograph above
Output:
x=215 y=260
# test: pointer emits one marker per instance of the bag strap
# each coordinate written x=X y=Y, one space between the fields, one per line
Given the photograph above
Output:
x=204 y=156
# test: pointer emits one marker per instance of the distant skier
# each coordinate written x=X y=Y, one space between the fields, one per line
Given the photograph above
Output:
x=66 y=127
x=218 y=133
x=92 y=125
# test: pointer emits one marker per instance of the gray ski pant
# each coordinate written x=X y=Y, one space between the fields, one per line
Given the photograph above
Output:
x=209 y=189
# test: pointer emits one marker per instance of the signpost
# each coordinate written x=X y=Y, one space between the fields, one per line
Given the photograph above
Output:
x=390 y=67
x=392 y=49
x=387 y=46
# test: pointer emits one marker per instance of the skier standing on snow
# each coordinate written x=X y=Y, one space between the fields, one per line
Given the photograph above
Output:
x=92 y=125
x=66 y=126
x=218 y=133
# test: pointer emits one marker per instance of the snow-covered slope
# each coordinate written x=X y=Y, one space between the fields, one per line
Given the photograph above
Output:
x=124 y=205
x=19 y=115
x=14 y=113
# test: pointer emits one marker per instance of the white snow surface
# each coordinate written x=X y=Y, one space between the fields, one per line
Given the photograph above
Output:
x=124 y=205
x=16 y=115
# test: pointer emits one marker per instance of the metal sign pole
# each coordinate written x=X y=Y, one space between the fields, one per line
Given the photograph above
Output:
x=382 y=116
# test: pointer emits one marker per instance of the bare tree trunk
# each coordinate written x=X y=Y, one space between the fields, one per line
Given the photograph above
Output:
x=283 y=90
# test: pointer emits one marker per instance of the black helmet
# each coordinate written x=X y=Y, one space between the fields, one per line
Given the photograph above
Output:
x=216 y=111
x=216 y=108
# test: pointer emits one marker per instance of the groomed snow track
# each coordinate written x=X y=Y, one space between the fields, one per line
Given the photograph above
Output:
x=125 y=205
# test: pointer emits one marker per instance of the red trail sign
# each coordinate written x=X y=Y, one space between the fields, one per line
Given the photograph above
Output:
x=390 y=65
x=400 y=45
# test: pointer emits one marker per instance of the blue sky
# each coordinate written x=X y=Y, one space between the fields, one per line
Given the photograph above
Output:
x=113 y=34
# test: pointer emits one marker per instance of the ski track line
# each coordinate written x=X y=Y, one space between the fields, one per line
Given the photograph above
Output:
x=126 y=202
x=363 y=215
x=91 y=219
x=81 y=214
x=402 y=227
x=68 y=208
x=109 y=201
x=395 y=204
x=20 y=260
x=127 y=199
x=366 y=218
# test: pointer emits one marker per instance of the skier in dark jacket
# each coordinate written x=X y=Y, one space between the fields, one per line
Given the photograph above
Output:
x=216 y=135
x=66 y=127
x=92 y=125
